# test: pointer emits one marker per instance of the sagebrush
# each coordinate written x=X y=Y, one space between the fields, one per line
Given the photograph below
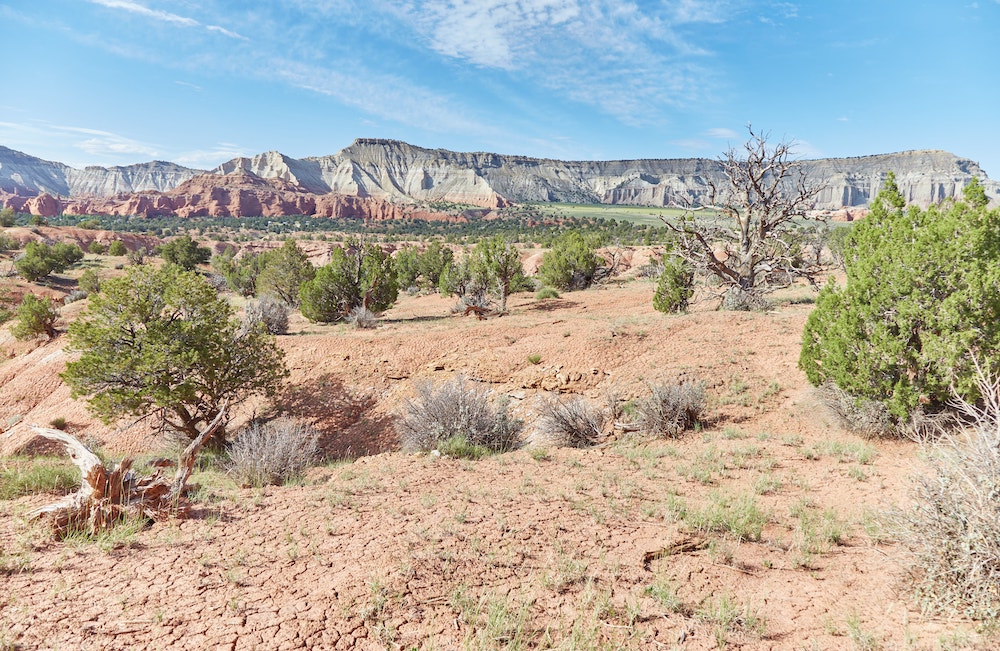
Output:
x=271 y=311
x=571 y=423
x=454 y=409
x=670 y=408
x=952 y=528
x=272 y=453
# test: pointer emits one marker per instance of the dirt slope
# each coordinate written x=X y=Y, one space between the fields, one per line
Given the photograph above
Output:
x=540 y=547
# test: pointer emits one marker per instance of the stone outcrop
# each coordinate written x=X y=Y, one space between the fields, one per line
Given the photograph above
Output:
x=397 y=174
x=26 y=175
x=239 y=194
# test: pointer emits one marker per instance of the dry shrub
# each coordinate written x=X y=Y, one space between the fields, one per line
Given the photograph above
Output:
x=270 y=311
x=738 y=300
x=867 y=418
x=573 y=423
x=670 y=408
x=272 y=453
x=363 y=318
x=872 y=419
x=454 y=410
x=218 y=282
x=953 y=527
x=74 y=296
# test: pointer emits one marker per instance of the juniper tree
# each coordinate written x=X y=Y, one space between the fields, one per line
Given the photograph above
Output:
x=162 y=343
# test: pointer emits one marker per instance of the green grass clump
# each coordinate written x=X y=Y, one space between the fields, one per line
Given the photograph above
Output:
x=459 y=447
x=546 y=292
x=40 y=475
x=740 y=517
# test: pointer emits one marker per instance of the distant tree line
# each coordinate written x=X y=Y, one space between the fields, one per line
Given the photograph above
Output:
x=523 y=227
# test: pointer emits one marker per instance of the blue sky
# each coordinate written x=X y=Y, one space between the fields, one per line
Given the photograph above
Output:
x=200 y=81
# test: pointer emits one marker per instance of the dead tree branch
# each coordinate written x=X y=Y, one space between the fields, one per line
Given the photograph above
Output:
x=108 y=495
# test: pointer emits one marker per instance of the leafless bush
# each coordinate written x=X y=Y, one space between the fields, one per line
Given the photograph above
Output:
x=861 y=416
x=479 y=299
x=272 y=453
x=74 y=296
x=218 y=282
x=952 y=529
x=270 y=311
x=738 y=300
x=872 y=419
x=650 y=270
x=670 y=408
x=137 y=257
x=455 y=410
x=363 y=318
x=572 y=423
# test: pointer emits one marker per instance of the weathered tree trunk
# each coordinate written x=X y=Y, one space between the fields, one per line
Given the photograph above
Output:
x=109 y=495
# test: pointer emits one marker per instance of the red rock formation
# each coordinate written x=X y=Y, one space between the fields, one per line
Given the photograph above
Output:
x=44 y=205
x=239 y=194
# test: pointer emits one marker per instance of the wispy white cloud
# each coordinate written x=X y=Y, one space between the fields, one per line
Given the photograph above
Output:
x=692 y=144
x=186 y=84
x=626 y=58
x=722 y=133
x=104 y=143
x=95 y=143
x=699 y=11
x=164 y=16
x=209 y=158
x=385 y=96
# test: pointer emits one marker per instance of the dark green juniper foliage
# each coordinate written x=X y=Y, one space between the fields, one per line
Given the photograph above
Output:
x=922 y=297
x=675 y=286
x=161 y=341
x=571 y=263
x=360 y=276
x=185 y=253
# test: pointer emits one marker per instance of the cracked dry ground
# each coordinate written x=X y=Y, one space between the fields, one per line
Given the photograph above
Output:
x=543 y=547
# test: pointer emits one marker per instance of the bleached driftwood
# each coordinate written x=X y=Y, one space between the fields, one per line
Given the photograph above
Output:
x=109 y=495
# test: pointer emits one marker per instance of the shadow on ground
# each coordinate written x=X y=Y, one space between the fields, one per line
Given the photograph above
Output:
x=553 y=304
x=345 y=419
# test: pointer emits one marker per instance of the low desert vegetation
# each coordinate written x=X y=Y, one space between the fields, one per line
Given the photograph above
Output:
x=919 y=301
x=674 y=287
x=272 y=453
x=117 y=248
x=458 y=416
x=160 y=341
x=185 y=253
x=886 y=351
x=362 y=276
x=669 y=409
x=952 y=528
x=571 y=263
x=269 y=311
x=34 y=317
x=571 y=423
x=40 y=259
x=26 y=476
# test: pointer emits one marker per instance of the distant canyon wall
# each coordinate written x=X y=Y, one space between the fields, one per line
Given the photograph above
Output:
x=211 y=195
x=396 y=173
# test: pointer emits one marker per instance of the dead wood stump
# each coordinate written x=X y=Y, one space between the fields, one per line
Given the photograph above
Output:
x=109 y=495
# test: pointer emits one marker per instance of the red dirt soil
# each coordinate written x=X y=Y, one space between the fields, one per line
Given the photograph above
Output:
x=535 y=548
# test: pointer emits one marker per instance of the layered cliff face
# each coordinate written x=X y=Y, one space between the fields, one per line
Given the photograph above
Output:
x=26 y=175
x=923 y=176
x=238 y=194
x=399 y=173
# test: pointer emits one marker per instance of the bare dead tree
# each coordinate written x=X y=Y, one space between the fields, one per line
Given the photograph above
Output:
x=745 y=234
x=108 y=495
